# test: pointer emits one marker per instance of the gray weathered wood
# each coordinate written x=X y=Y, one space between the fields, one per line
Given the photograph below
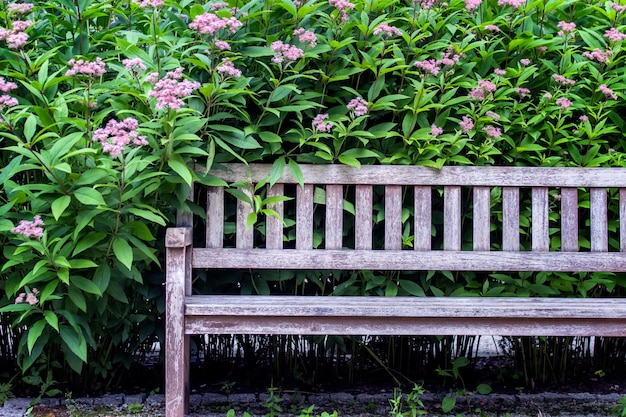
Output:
x=334 y=217
x=245 y=234
x=393 y=217
x=215 y=217
x=423 y=218
x=363 y=208
x=622 y=219
x=452 y=217
x=482 y=219
x=569 y=220
x=273 y=224
x=510 y=219
x=598 y=220
x=304 y=217
x=540 y=221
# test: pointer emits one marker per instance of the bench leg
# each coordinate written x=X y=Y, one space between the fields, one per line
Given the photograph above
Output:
x=177 y=378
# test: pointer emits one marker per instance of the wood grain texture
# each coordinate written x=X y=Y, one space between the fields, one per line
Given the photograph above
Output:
x=273 y=224
x=423 y=218
x=245 y=234
x=598 y=220
x=449 y=175
x=215 y=217
x=569 y=220
x=363 y=207
x=452 y=218
x=393 y=217
x=540 y=221
x=304 y=217
x=482 y=219
x=510 y=219
x=334 y=217
x=622 y=219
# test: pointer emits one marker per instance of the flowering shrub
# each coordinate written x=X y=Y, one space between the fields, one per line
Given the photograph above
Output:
x=104 y=105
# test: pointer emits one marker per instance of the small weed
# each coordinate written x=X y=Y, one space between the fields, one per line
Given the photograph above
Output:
x=412 y=401
x=135 y=408
x=272 y=403
x=5 y=392
x=620 y=408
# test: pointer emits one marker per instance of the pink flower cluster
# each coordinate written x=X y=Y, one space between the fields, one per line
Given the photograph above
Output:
x=170 y=90
x=618 y=8
x=608 y=93
x=149 y=3
x=493 y=115
x=29 y=229
x=525 y=62
x=387 y=29
x=20 y=8
x=228 y=68
x=133 y=64
x=116 y=135
x=5 y=98
x=492 y=28
x=435 y=130
x=522 y=92
x=219 y=5
x=614 y=35
x=425 y=4
x=285 y=52
x=359 y=106
x=466 y=124
x=564 y=103
x=562 y=80
x=433 y=66
x=512 y=3
x=472 y=4
x=599 y=55
x=93 y=69
x=566 y=28
x=343 y=6
x=16 y=37
x=492 y=131
x=222 y=45
x=480 y=92
x=320 y=125
x=500 y=72
x=306 y=36
x=209 y=24
x=30 y=298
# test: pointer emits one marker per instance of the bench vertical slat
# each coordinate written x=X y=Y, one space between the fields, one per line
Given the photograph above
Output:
x=622 y=219
x=215 y=217
x=482 y=218
x=423 y=218
x=452 y=217
x=393 y=217
x=569 y=220
x=273 y=224
x=599 y=220
x=334 y=217
x=363 y=217
x=304 y=217
x=184 y=218
x=245 y=235
x=539 y=218
x=510 y=219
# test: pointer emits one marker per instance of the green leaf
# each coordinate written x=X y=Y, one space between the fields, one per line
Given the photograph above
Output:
x=88 y=241
x=448 y=404
x=251 y=220
x=59 y=205
x=296 y=171
x=89 y=196
x=277 y=170
x=123 y=252
x=182 y=170
x=82 y=264
x=75 y=342
x=412 y=288
x=147 y=215
x=77 y=297
x=484 y=389
x=102 y=276
x=30 y=127
x=86 y=285
x=52 y=319
x=34 y=332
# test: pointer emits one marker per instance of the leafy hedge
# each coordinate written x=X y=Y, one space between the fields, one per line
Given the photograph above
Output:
x=104 y=104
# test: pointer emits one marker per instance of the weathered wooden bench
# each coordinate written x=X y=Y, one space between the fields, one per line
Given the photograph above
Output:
x=189 y=314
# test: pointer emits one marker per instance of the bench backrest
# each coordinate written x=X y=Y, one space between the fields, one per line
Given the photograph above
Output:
x=554 y=193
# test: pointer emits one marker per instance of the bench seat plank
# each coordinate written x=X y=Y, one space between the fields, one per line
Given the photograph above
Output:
x=405 y=315
x=408 y=260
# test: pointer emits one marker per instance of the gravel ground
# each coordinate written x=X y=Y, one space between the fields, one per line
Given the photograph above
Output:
x=347 y=405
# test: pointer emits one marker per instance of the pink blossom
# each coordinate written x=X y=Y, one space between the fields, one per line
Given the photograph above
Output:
x=428 y=65
x=522 y=92
x=228 y=68
x=30 y=298
x=608 y=93
x=599 y=55
x=488 y=86
x=449 y=59
x=618 y=8
x=153 y=77
x=7 y=86
x=493 y=115
x=285 y=52
x=566 y=28
x=209 y=24
x=319 y=124
x=21 y=25
x=492 y=28
x=525 y=62
x=306 y=36
x=8 y=101
x=219 y=5
x=472 y=4
x=133 y=64
x=547 y=96
x=614 y=35
x=512 y=3
x=492 y=131
x=20 y=8
x=222 y=45
x=564 y=103
x=16 y=40
x=562 y=80
x=583 y=118
x=170 y=90
x=387 y=29
x=499 y=72
x=425 y=4
x=91 y=69
x=359 y=106
x=435 y=130
x=466 y=124
x=149 y=3
x=343 y=6
x=16 y=37
x=484 y=87
x=29 y=229
x=116 y=135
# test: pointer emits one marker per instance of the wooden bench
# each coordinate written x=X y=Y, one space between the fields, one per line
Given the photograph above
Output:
x=189 y=314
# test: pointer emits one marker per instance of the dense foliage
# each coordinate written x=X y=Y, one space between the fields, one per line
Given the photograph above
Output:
x=105 y=103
